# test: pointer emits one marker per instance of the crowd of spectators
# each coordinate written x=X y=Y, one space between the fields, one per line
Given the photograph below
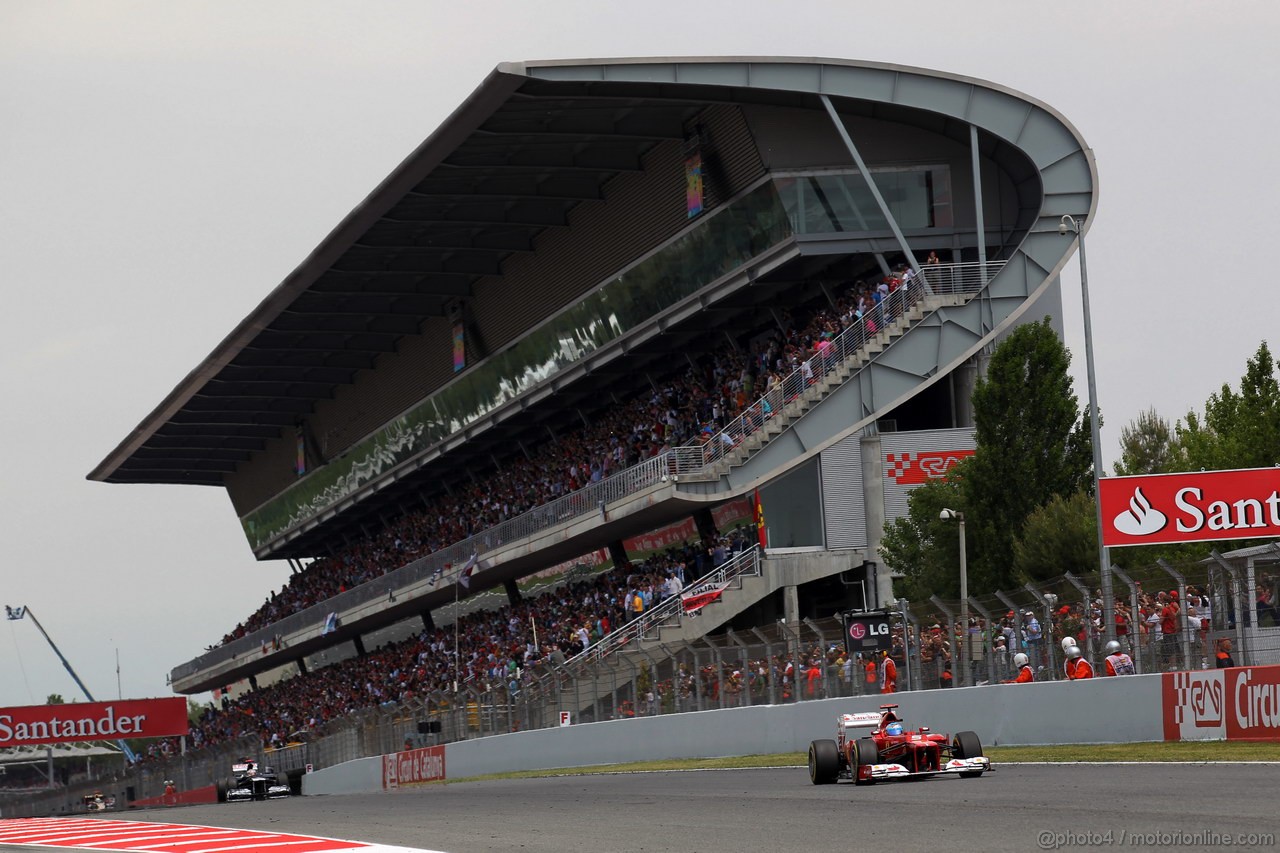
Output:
x=681 y=408
x=505 y=647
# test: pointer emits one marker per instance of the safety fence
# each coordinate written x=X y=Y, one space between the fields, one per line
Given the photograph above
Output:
x=1221 y=605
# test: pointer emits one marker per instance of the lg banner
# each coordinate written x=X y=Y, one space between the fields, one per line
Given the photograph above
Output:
x=30 y=725
x=866 y=632
x=1192 y=507
x=413 y=767
x=1242 y=703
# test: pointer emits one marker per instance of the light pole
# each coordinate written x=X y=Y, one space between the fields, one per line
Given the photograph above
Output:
x=955 y=515
x=1069 y=224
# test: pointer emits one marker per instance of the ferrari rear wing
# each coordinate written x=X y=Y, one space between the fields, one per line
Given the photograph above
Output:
x=863 y=718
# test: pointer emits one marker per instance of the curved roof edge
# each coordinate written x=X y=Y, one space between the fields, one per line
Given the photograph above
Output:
x=936 y=91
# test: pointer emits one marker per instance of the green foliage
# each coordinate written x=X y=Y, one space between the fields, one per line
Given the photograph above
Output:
x=1060 y=536
x=923 y=547
x=1148 y=446
x=55 y=699
x=1238 y=429
x=1032 y=444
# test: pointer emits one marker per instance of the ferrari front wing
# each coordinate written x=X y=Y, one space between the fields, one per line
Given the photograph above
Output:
x=955 y=765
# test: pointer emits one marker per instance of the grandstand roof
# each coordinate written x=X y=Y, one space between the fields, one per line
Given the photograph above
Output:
x=530 y=143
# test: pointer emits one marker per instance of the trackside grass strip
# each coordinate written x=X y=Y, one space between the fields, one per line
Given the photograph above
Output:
x=1156 y=751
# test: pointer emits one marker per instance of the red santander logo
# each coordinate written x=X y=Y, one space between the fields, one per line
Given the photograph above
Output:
x=1190 y=507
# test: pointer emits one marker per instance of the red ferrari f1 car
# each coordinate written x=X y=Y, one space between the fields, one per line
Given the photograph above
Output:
x=892 y=752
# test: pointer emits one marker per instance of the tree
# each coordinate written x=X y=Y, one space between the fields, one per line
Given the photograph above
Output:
x=1060 y=536
x=921 y=546
x=1032 y=444
x=1238 y=430
x=55 y=699
x=1148 y=446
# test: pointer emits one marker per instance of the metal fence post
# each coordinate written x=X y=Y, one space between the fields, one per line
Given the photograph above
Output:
x=1134 y=610
x=1183 y=643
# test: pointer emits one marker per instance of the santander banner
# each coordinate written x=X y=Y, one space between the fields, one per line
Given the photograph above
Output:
x=1241 y=703
x=1190 y=507
x=31 y=725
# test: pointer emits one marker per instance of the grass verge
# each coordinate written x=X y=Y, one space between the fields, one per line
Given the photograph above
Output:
x=1157 y=751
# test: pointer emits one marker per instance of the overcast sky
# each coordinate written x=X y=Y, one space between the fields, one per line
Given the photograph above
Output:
x=164 y=165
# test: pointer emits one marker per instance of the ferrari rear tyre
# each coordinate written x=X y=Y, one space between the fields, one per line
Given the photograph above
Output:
x=967 y=745
x=824 y=762
x=865 y=753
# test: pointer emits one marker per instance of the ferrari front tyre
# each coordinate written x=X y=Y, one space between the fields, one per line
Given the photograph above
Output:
x=865 y=753
x=967 y=745
x=824 y=762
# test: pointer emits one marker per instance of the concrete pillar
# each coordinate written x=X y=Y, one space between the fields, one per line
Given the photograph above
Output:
x=428 y=621
x=706 y=523
x=253 y=682
x=791 y=604
x=359 y=643
x=513 y=591
x=618 y=554
x=302 y=666
x=880 y=585
x=963 y=381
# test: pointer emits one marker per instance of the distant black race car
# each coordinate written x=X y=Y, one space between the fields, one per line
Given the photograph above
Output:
x=250 y=781
x=891 y=751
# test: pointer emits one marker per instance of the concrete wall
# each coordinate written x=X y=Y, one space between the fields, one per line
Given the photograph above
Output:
x=1104 y=710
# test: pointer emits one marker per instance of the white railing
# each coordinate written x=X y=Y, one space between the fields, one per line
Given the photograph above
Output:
x=744 y=564
x=941 y=279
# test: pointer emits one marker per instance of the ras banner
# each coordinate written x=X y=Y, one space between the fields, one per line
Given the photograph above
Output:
x=1241 y=703
x=129 y=718
x=1191 y=507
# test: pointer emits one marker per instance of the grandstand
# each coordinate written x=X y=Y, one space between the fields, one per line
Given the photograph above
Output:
x=612 y=297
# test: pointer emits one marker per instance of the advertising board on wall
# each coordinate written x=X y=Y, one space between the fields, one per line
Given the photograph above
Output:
x=1240 y=703
x=413 y=767
x=1198 y=506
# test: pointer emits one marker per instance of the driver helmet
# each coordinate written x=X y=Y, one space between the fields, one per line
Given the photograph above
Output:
x=1113 y=648
x=1067 y=643
x=1020 y=659
x=893 y=729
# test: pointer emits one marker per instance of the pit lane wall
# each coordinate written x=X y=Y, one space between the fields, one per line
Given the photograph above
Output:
x=1213 y=704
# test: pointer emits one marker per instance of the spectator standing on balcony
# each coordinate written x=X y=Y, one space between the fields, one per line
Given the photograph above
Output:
x=813 y=680
x=871 y=675
x=1168 y=604
x=888 y=674
x=1034 y=636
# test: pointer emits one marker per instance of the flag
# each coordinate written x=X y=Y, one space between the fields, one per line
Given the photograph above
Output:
x=330 y=624
x=760 y=531
x=15 y=612
x=468 y=569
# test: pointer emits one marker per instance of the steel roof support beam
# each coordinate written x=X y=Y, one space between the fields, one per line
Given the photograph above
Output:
x=871 y=184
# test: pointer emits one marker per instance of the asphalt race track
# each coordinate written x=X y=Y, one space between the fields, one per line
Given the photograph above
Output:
x=1016 y=808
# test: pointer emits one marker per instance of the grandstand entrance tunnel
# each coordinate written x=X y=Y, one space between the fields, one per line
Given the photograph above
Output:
x=548 y=179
